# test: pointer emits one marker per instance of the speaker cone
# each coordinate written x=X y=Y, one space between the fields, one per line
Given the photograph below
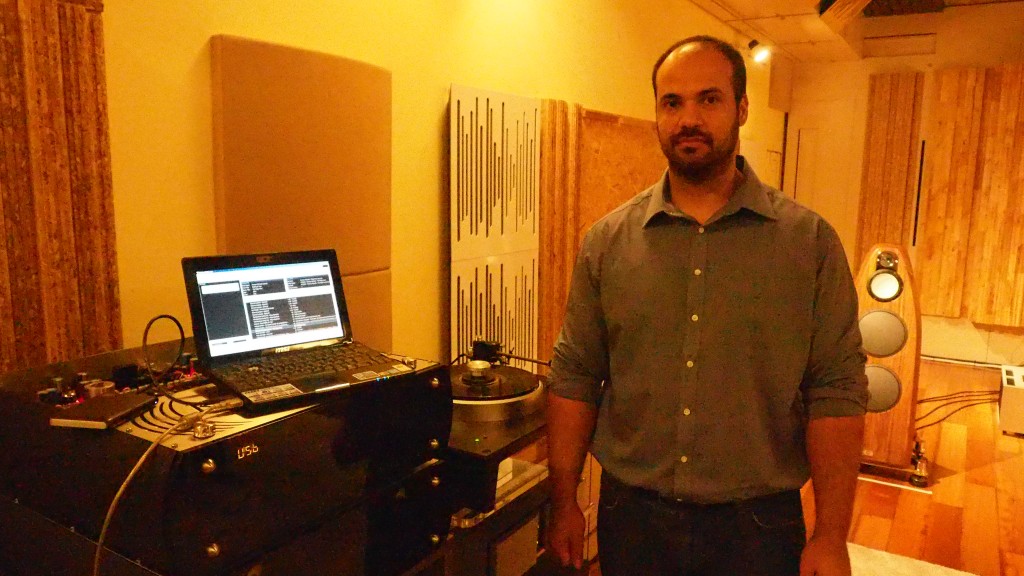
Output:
x=883 y=387
x=883 y=332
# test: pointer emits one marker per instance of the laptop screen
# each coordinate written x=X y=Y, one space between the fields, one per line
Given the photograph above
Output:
x=245 y=305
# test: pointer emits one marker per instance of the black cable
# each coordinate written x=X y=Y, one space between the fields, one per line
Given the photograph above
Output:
x=953 y=403
x=145 y=347
x=965 y=394
x=939 y=421
x=158 y=380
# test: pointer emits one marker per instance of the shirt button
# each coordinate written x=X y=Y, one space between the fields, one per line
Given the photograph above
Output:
x=686 y=411
x=689 y=363
x=696 y=272
x=700 y=230
x=694 y=317
x=684 y=459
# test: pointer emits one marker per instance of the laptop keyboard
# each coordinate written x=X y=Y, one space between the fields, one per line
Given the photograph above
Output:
x=310 y=363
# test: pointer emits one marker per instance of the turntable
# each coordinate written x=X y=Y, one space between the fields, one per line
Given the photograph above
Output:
x=498 y=410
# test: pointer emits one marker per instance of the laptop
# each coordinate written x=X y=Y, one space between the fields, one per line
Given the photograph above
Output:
x=274 y=327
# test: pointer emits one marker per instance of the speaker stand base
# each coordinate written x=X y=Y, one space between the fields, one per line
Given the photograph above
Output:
x=913 y=475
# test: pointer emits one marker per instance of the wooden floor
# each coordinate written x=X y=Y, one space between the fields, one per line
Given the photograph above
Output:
x=973 y=517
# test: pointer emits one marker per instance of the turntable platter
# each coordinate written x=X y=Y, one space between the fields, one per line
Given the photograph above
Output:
x=494 y=393
x=492 y=383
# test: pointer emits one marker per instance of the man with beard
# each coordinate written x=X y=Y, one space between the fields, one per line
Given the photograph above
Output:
x=709 y=359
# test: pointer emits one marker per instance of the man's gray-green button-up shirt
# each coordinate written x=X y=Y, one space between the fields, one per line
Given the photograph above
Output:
x=708 y=347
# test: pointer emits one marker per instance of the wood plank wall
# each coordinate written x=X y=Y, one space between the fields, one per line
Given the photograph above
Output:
x=891 y=152
x=947 y=195
x=994 y=284
x=58 y=261
x=970 y=236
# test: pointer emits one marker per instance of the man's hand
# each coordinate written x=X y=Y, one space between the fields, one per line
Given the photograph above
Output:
x=570 y=425
x=825 y=557
x=833 y=447
x=565 y=534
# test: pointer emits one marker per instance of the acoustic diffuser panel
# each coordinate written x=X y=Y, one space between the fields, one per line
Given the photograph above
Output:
x=495 y=181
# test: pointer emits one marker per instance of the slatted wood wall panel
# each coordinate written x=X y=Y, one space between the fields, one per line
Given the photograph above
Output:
x=559 y=172
x=59 y=262
x=994 y=289
x=889 y=177
x=947 y=194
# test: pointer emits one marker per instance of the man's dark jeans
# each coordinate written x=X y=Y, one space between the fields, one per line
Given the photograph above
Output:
x=640 y=533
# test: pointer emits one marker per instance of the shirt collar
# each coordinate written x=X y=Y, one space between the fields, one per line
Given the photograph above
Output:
x=752 y=195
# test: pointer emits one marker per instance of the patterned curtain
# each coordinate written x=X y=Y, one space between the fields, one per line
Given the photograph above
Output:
x=58 y=268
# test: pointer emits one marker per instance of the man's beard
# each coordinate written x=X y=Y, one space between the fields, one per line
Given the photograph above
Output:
x=719 y=156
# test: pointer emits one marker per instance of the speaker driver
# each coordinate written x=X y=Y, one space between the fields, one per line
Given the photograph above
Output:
x=883 y=387
x=883 y=332
x=885 y=285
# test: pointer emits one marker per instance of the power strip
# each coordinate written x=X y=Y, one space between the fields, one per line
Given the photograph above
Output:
x=1011 y=401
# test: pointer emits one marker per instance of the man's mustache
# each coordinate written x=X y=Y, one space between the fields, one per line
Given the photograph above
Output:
x=686 y=133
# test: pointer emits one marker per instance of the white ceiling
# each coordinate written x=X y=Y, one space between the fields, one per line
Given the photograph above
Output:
x=795 y=29
x=791 y=26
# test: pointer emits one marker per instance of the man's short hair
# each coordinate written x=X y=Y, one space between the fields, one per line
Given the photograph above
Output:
x=739 y=68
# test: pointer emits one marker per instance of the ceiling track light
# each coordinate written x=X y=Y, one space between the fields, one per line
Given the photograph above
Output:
x=759 y=52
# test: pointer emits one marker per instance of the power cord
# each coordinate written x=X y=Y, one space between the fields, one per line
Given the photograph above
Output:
x=966 y=395
x=977 y=399
x=184 y=422
x=940 y=420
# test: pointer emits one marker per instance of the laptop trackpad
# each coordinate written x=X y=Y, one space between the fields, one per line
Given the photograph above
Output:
x=321 y=380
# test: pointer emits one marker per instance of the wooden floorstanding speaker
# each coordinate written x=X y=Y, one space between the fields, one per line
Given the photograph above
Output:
x=890 y=325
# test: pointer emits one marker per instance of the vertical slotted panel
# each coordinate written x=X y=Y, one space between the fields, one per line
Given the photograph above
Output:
x=495 y=186
x=994 y=290
x=889 y=178
x=948 y=193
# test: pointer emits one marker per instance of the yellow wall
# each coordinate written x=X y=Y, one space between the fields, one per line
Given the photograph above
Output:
x=830 y=101
x=594 y=52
